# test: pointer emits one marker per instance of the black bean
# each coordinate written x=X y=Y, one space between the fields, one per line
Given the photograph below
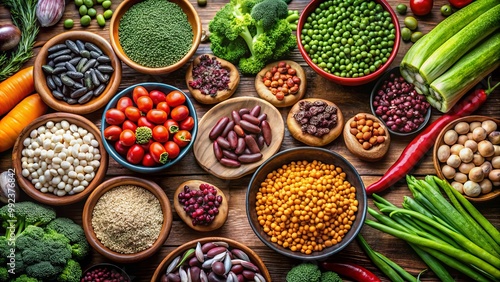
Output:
x=85 y=98
x=77 y=85
x=66 y=80
x=56 y=48
x=59 y=53
x=81 y=63
x=80 y=44
x=94 y=78
x=98 y=91
x=94 y=54
x=57 y=80
x=87 y=80
x=62 y=58
x=59 y=70
x=66 y=91
x=69 y=66
x=102 y=78
x=71 y=101
x=48 y=69
x=92 y=47
x=85 y=54
x=103 y=59
x=58 y=95
x=90 y=63
x=72 y=46
x=74 y=61
x=79 y=92
x=74 y=74
x=105 y=68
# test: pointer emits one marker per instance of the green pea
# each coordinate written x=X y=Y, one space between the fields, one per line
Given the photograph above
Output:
x=100 y=1
x=100 y=20
x=83 y=10
x=91 y=12
x=416 y=36
x=405 y=34
x=88 y=3
x=446 y=10
x=68 y=23
x=411 y=23
x=85 y=20
x=78 y=3
x=106 y=4
x=108 y=14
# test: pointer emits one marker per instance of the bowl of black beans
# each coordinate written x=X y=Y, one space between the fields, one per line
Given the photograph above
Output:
x=349 y=42
x=398 y=105
x=77 y=72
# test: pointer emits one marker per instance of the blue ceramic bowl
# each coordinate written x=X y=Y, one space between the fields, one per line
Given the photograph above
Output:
x=108 y=145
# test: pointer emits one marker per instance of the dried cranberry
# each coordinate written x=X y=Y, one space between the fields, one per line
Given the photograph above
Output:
x=209 y=76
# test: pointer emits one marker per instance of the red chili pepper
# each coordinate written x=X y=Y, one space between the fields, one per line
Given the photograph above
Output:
x=350 y=270
x=460 y=3
x=417 y=148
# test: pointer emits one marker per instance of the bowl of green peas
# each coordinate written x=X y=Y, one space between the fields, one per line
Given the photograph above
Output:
x=349 y=42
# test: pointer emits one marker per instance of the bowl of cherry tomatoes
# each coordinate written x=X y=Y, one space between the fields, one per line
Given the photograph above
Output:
x=149 y=127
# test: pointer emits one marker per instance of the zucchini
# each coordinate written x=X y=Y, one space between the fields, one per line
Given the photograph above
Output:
x=459 y=44
x=426 y=45
x=447 y=89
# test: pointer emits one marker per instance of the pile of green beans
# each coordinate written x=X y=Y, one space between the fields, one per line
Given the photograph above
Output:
x=348 y=38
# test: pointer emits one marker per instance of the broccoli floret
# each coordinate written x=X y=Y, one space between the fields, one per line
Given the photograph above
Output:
x=71 y=273
x=25 y=278
x=330 y=276
x=43 y=270
x=268 y=12
x=304 y=272
x=25 y=214
x=75 y=234
x=143 y=134
x=4 y=274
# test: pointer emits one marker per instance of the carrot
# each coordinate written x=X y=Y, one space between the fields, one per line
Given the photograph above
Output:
x=18 y=118
x=16 y=88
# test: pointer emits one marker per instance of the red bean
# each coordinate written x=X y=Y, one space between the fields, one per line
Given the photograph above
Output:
x=251 y=119
x=230 y=163
x=240 y=147
x=267 y=132
x=233 y=139
x=262 y=117
x=215 y=251
x=228 y=128
x=218 y=128
x=223 y=143
x=260 y=141
x=252 y=144
x=243 y=111
x=236 y=117
x=255 y=111
x=230 y=155
x=239 y=131
x=250 y=127
x=250 y=158
x=217 y=151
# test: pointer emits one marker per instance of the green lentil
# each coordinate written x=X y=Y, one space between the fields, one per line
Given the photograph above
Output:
x=100 y=20
x=108 y=14
x=88 y=3
x=85 y=20
x=68 y=23
x=78 y=3
x=165 y=44
x=411 y=23
x=405 y=34
x=106 y=4
x=83 y=10
x=337 y=31
x=91 y=12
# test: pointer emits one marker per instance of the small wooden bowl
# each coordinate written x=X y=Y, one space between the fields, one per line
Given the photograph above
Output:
x=96 y=102
x=495 y=192
x=373 y=154
x=203 y=150
x=254 y=257
x=234 y=81
x=290 y=99
x=220 y=218
x=105 y=187
x=49 y=198
x=296 y=131
x=193 y=19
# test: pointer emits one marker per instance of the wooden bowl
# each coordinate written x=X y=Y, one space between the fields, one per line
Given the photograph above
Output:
x=202 y=148
x=438 y=165
x=234 y=81
x=309 y=154
x=49 y=198
x=105 y=187
x=373 y=154
x=254 y=257
x=219 y=220
x=295 y=128
x=193 y=19
x=96 y=102
x=289 y=99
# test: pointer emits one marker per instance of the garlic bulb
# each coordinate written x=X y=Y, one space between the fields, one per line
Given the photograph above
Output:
x=9 y=190
x=49 y=12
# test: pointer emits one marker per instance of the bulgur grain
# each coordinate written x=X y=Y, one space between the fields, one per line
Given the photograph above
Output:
x=127 y=219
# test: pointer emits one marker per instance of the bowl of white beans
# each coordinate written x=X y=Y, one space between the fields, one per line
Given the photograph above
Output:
x=59 y=159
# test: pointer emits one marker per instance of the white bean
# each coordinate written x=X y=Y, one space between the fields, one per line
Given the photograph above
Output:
x=56 y=180
x=88 y=169
x=49 y=124
x=50 y=189
x=68 y=188
x=25 y=172
x=61 y=185
x=56 y=160
x=38 y=186
x=61 y=193
x=61 y=171
x=84 y=183
x=78 y=189
x=44 y=190
x=80 y=176
x=73 y=128
x=33 y=133
x=72 y=174
x=65 y=165
x=83 y=162
x=89 y=177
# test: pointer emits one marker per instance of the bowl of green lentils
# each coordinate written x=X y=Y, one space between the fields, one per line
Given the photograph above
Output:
x=155 y=36
x=349 y=42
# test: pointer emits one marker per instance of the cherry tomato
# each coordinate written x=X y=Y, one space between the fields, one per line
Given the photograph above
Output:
x=143 y=121
x=112 y=132
x=127 y=137
x=421 y=7
x=164 y=107
x=157 y=96
x=133 y=113
x=138 y=92
x=187 y=123
x=157 y=116
x=158 y=153
x=123 y=103
x=128 y=124
x=148 y=160
x=175 y=98
x=172 y=149
x=172 y=126
x=135 y=154
x=144 y=103
x=179 y=113
x=114 y=116
x=120 y=148
x=182 y=138
x=160 y=133
x=146 y=145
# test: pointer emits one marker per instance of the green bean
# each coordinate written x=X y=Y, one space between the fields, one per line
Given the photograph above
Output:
x=404 y=274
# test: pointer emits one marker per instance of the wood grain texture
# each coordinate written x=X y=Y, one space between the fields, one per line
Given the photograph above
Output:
x=352 y=100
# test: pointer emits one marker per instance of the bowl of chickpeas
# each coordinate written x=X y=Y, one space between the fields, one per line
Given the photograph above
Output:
x=306 y=203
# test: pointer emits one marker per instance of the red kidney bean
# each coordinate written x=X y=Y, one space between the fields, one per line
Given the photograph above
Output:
x=237 y=268
x=233 y=139
x=252 y=144
x=262 y=117
x=212 y=277
x=217 y=151
x=194 y=273
x=229 y=127
x=260 y=141
x=230 y=155
x=218 y=128
x=229 y=162
x=207 y=246
x=239 y=131
x=223 y=143
x=215 y=251
x=248 y=274
x=251 y=119
x=240 y=147
x=255 y=111
x=236 y=117
x=266 y=132
x=250 y=158
x=247 y=151
x=243 y=111
x=250 y=127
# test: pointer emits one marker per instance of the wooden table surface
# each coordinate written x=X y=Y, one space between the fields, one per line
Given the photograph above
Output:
x=351 y=100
